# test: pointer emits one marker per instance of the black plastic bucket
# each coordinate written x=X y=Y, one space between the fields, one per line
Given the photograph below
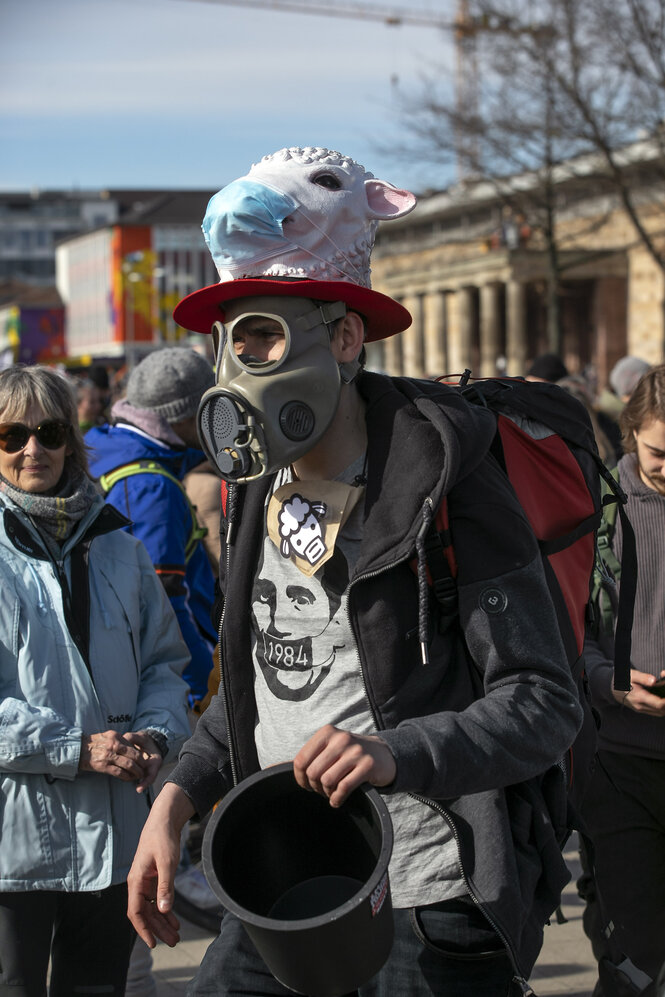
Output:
x=309 y=882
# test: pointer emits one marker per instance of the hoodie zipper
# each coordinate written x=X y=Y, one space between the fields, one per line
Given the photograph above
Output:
x=451 y=824
x=222 y=676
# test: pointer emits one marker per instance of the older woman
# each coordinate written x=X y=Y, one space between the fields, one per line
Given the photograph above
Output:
x=91 y=700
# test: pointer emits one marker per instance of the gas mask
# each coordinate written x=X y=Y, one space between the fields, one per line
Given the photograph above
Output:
x=278 y=384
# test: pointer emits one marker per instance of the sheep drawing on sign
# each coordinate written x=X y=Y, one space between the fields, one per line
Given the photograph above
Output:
x=300 y=529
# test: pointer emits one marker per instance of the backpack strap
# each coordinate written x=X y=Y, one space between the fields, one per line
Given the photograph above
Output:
x=614 y=501
x=588 y=525
x=607 y=569
x=107 y=481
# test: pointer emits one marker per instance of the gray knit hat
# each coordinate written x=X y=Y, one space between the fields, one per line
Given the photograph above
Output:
x=170 y=383
x=626 y=373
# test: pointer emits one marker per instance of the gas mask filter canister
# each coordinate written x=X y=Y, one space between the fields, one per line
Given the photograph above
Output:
x=278 y=385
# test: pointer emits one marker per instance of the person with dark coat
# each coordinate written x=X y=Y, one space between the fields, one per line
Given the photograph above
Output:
x=333 y=474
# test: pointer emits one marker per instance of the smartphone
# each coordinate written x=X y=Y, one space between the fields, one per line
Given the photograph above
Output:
x=658 y=688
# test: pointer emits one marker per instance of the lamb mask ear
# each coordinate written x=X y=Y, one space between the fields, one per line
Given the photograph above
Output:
x=386 y=201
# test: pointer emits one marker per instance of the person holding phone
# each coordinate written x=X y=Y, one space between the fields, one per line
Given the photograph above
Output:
x=625 y=805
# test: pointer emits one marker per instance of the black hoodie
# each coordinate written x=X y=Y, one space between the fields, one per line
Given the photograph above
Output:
x=474 y=730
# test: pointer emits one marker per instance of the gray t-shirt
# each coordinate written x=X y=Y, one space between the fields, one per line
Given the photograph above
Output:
x=308 y=674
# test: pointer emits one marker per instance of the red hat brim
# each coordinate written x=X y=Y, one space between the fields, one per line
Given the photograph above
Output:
x=383 y=315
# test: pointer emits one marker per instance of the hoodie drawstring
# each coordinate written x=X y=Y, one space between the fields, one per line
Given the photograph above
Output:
x=423 y=584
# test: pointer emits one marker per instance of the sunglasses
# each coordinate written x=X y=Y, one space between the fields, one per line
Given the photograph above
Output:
x=14 y=436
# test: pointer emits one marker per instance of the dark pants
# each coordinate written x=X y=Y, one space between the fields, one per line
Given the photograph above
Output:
x=447 y=949
x=86 y=935
x=625 y=815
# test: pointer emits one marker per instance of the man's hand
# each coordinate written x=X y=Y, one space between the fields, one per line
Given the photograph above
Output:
x=151 y=757
x=110 y=754
x=334 y=763
x=639 y=698
x=150 y=879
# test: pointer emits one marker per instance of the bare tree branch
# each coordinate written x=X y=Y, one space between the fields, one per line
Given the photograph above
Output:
x=559 y=82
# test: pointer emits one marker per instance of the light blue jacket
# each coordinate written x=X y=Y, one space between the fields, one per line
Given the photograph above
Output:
x=61 y=829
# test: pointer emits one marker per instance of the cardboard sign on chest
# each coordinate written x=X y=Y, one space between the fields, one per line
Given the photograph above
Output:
x=305 y=519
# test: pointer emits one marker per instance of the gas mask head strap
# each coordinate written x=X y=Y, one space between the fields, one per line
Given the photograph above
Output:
x=330 y=312
x=325 y=313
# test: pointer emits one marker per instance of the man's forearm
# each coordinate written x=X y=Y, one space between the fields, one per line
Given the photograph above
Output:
x=172 y=806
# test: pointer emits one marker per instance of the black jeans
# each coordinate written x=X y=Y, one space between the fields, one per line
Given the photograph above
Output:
x=448 y=949
x=625 y=814
x=86 y=935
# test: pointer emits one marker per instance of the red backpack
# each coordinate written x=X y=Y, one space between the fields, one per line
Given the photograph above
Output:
x=544 y=442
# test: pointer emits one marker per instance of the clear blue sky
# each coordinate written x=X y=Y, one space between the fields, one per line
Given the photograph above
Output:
x=188 y=93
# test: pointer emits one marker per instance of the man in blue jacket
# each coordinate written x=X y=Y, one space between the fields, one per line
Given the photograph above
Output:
x=140 y=460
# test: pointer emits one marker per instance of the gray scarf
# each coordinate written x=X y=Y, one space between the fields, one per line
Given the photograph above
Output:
x=55 y=516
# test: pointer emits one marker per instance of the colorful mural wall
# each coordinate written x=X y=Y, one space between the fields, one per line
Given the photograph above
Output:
x=32 y=334
x=133 y=293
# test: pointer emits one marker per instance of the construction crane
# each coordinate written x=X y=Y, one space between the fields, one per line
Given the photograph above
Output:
x=464 y=26
x=394 y=16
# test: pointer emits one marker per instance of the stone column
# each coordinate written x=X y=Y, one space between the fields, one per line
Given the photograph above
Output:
x=392 y=355
x=413 y=351
x=435 y=333
x=610 y=299
x=516 y=345
x=460 y=331
x=489 y=329
x=375 y=356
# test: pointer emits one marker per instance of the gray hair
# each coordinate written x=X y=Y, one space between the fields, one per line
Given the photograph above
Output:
x=22 y=386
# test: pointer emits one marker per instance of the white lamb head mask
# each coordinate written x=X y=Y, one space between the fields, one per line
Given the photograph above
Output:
x=301 y=213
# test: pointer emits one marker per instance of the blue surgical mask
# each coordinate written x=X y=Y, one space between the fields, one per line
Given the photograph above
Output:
x=244 y=223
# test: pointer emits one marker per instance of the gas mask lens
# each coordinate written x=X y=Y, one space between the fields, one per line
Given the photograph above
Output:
x=259 y=341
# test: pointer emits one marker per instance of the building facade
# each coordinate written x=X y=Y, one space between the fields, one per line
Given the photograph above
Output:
x=472 y=265
x=474 y=273
x=32 y=223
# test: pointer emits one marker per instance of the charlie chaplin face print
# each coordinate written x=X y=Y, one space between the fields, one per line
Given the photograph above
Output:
x=295 y=622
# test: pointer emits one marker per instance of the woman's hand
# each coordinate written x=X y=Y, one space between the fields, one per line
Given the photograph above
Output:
x=150 y=754
x=638 y=697
x=112 y=754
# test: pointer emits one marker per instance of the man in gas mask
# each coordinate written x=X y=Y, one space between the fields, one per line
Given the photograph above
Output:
x=331 y=652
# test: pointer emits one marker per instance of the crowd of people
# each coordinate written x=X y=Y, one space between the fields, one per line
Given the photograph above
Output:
x=152 y=556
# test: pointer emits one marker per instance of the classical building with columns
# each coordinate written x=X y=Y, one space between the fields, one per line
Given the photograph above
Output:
x=473 y=274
